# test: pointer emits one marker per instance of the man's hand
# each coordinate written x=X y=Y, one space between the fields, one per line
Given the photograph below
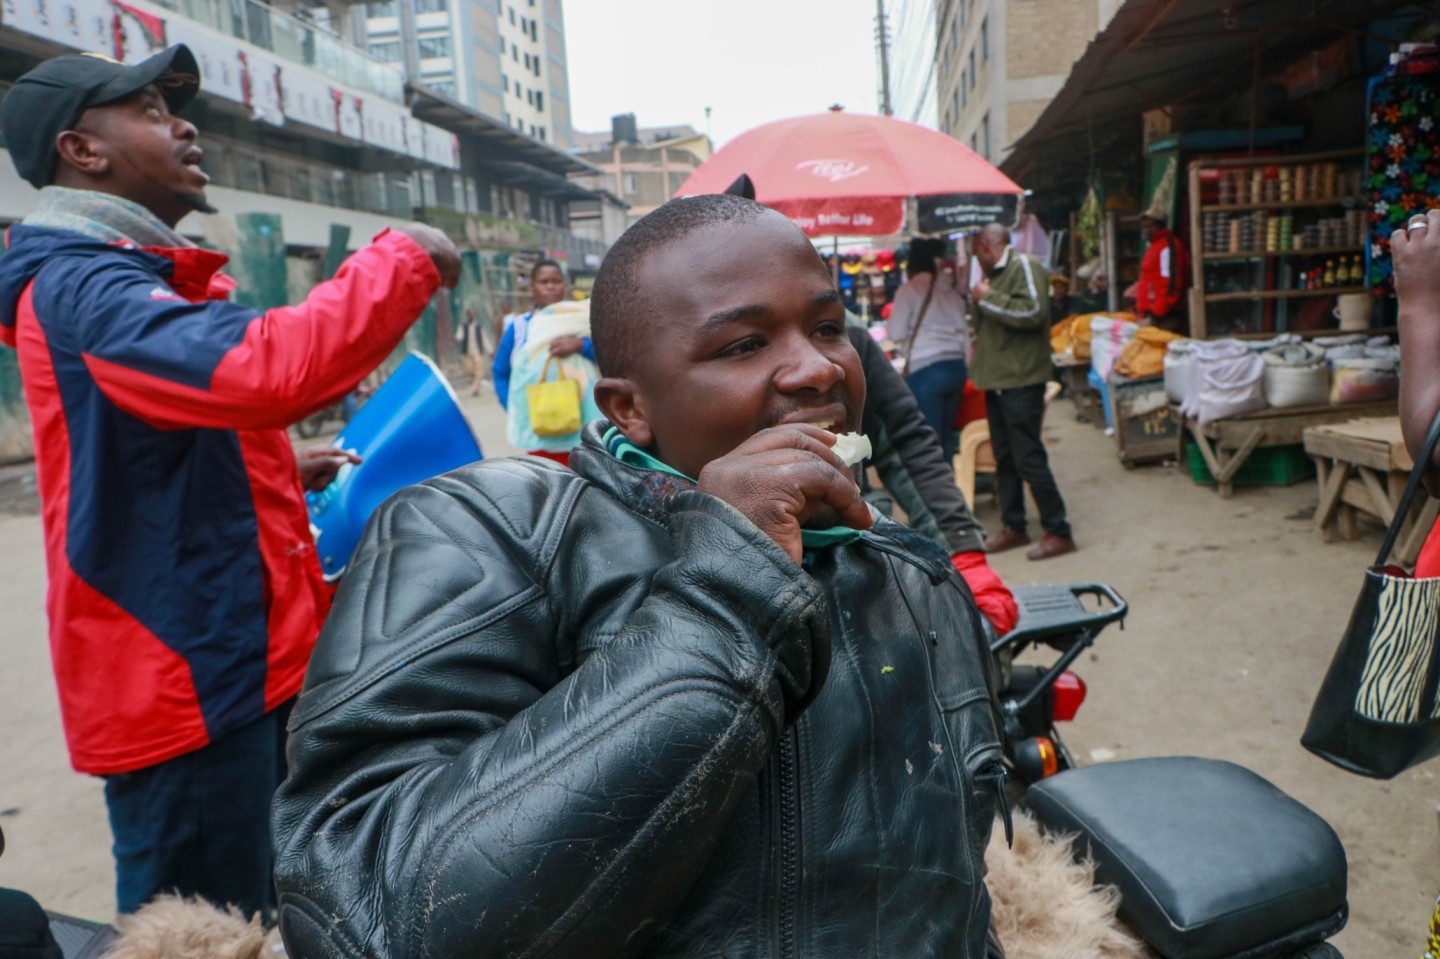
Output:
x=991 y=594
x=1416 y=253
x=782 y=478
x=566 y=345
x=979 y=290
x=442 y=251
x=319 y=465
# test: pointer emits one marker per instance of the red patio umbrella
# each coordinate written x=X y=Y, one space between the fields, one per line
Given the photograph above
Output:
x=851 y=174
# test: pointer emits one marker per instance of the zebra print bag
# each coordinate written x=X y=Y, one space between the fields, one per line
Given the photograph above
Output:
x=1377 y=712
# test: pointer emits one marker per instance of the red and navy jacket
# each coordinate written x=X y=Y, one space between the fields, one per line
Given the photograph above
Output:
x=1164 y=271
x=184 y=591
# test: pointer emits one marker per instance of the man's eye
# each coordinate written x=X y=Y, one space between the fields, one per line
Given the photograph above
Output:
x=830 y=329
x=744 y=346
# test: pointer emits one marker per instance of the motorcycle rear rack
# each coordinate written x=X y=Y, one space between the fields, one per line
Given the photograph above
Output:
x=1055 y=614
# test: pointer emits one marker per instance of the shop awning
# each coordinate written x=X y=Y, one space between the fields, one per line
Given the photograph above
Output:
x=502 y=143
x=1158 y=53
x=536 y=180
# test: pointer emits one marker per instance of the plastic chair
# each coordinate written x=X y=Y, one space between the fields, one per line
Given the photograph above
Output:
x=976 y=454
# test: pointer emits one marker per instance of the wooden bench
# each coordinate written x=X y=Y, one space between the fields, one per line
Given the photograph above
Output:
x=1362 y=467
x=1226 y=444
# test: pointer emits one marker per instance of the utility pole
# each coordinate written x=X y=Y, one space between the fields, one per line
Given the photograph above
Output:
x=882 y=41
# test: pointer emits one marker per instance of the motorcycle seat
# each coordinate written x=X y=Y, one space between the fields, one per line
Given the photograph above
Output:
x=1212 y=861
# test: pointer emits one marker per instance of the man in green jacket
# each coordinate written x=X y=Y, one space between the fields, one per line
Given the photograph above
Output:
x=1010 y=314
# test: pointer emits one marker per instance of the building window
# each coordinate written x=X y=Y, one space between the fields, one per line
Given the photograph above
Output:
x=955 y=104
x=975 y=142
x=527 y=61
x=430 y=6
x=384 y=8
x=502 y=46
x=530 y=97
x=985 y=133
x=632 y=184
x=542 y=134
x=432 y=47
x=539 y=101
x=985 y=39
x=389 y=51
x=964 y=88
x=444 y=88
x=972 y=69
x=523 y=27
x=534 y=34
x=504 y=83
x=514 y=53
x=537 y=64
x=512 y=16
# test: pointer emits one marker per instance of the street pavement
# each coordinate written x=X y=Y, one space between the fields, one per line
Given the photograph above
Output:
x=1236 y=610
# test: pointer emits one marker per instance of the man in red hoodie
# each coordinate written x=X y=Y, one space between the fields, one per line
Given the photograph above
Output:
x=184 y=590
x=1164 y=270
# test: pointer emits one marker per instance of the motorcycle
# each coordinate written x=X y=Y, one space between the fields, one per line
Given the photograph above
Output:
x=1211 y=861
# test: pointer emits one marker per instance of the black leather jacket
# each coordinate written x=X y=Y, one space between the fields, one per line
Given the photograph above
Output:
x=600 y=714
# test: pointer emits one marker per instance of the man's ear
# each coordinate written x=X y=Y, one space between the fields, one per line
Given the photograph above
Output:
x=78 y=150
x=620 y=400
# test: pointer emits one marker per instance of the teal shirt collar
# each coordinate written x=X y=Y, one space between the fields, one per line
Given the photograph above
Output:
x=631 y=455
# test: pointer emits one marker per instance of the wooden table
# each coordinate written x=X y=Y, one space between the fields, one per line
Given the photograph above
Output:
x=1226 y=444
x=1075 y=374
x=1363 y=466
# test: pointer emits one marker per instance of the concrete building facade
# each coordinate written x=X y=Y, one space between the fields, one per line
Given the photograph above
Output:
x=503 y=58
x=642 y=166
x=998 y=63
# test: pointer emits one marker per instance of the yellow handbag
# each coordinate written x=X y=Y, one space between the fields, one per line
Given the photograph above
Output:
x=554 y=404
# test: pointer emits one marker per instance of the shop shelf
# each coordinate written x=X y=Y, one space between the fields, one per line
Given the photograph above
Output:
x=1267 y=466
x=1282 y=294
x=1278 y=205
x=1263 y=254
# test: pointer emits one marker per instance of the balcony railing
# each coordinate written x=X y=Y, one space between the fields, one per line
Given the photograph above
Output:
x=297 y=41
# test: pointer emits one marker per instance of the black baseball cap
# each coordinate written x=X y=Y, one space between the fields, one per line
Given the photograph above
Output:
x=49 y=99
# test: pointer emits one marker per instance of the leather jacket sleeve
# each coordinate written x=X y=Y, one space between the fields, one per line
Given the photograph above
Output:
x=908 y=455
x=482 y=764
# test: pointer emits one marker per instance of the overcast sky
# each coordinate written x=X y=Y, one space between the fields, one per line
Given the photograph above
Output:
x=750 y=61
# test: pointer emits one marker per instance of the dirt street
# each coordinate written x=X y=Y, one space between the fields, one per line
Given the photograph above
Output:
x=1236 y=609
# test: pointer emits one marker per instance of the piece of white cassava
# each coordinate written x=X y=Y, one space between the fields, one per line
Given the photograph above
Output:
x=852 y=447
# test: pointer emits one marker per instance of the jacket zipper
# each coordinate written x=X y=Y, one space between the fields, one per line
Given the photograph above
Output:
x=789 y=845
x=995 y=774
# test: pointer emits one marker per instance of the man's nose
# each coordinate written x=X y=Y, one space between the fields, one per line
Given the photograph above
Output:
x=185 y=130
x=806 y=367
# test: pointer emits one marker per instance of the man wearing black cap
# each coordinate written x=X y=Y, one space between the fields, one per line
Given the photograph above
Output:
x=184 y=590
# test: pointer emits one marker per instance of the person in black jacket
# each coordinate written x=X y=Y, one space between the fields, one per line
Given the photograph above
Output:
x=915 y=472
x=691 y=699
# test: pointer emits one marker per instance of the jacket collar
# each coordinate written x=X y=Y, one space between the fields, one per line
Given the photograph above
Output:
x=651 y=494
x=646 y=491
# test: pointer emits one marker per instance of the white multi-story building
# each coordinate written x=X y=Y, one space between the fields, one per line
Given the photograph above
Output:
x=503 y=58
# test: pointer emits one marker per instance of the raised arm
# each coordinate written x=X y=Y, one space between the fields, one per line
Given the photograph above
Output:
x=1021 y=309
x=460 y=785
x=1417 y=285
x=176 y=363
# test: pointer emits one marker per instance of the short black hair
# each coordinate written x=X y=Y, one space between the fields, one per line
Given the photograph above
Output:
x=922 y=254
x=618 y=310
x=541 y=264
